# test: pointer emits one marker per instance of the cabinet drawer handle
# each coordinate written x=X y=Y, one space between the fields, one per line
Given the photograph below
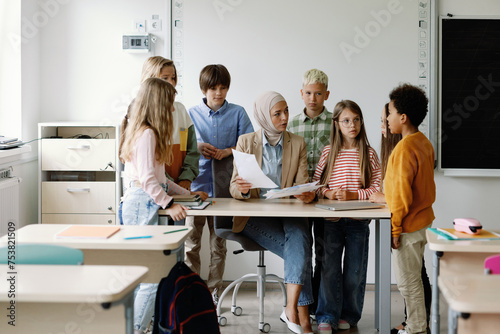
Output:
x=78 y=190
x=81 y=147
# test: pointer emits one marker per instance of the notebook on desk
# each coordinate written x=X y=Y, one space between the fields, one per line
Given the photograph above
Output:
x=349 y=205
x=88 y=232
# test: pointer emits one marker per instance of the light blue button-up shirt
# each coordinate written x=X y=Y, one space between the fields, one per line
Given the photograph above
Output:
x=220 y=128
x=272 y=158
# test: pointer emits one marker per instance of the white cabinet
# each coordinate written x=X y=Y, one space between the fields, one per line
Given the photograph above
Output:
x=79 y=173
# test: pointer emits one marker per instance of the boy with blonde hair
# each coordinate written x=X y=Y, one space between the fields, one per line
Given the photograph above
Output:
x=410 y=192
x=314 y=124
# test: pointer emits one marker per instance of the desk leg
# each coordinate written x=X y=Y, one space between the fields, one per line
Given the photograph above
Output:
x=377 y=273
x=435 y=319
x=452 y=321
x=179 y=253
x=129 y=313
x=383 y=275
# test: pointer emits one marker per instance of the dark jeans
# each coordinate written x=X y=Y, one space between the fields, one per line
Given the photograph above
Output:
x=342 y=287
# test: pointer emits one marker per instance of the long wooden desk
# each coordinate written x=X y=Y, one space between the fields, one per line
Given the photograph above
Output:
x=452 y=257
x=473 y=302
x=115 y=250
x=296 y=208
x=68 y=299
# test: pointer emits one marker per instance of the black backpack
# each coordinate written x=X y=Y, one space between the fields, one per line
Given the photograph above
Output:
x=184 y=304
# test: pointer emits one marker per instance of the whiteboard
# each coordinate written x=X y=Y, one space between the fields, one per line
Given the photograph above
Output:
x=365 y=47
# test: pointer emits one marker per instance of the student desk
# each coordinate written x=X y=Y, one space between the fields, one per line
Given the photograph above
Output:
x=296 y=208
x=115 y=250
x=452 y=257
x=473 y=301
x=69 y=299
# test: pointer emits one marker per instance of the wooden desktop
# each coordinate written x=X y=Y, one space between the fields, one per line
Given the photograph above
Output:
x=296 y=208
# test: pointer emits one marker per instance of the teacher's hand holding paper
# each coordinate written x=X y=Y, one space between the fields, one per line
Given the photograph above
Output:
x=306 y=197
x=249 y=171
x=242 y=185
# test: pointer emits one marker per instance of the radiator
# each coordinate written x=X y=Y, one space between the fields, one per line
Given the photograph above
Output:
x=9 y=203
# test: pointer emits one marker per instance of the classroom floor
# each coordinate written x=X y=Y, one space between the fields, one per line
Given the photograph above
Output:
x=248 y=321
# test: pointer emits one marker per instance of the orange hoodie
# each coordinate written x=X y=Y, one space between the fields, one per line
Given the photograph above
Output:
x=409 y=184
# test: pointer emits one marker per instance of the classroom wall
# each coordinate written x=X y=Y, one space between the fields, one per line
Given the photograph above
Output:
x=80 y=73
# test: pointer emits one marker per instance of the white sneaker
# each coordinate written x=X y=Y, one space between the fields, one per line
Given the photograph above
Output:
x=402 y=331
x=344 y=325
x=215 y=297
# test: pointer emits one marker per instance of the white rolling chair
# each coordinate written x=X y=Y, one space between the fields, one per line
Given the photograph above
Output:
x=222 y=171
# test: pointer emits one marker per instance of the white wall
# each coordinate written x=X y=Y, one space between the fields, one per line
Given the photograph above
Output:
x=85 y=75
x=74 y=69
x=10 y=69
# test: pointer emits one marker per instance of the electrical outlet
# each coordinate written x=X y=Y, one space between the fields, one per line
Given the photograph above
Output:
x=140 y=25
x=155 y=25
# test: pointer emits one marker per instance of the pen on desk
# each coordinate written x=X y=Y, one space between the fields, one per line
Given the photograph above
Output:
x=182 y=229
x=140 y=237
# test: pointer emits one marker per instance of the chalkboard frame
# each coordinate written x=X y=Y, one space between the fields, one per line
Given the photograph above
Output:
x=468 y=96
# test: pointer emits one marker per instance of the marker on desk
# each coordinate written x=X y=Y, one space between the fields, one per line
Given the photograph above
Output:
x=140 y=237
x=182 y=229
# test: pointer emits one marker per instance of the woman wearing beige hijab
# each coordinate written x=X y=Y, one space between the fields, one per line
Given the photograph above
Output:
x=283 y=158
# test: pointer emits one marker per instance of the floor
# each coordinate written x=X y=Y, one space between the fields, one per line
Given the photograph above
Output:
x=248 y=321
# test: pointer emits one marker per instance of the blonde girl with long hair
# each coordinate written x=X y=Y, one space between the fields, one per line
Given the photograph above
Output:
x=350 y=170
x=146 y=150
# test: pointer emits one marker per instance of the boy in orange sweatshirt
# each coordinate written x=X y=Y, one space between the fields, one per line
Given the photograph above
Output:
x=410 y=192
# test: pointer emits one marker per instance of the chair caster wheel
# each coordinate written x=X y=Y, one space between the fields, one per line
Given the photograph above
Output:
x=222 y=321
x=266 y=328
x=237 y=311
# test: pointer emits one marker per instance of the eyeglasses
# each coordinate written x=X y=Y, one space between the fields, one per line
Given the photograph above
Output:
x=346 y=123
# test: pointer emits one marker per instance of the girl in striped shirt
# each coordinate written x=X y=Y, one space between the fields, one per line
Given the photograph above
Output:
x=350 y=170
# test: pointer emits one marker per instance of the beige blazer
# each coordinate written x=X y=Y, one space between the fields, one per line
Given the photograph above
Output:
x=293 y=171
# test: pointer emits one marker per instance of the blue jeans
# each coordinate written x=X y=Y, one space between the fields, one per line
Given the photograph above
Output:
x=342 y=287
x=138 y=208
x=290 y=239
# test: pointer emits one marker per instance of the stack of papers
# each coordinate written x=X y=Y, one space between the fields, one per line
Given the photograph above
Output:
x=295 y=190
x=9 y=142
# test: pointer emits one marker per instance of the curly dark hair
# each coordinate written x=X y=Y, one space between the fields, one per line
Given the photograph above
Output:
x=410 y=100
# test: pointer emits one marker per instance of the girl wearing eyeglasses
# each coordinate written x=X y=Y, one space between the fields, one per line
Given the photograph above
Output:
x=350 y=170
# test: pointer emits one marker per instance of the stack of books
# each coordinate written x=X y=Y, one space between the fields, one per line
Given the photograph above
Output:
x=188 y=200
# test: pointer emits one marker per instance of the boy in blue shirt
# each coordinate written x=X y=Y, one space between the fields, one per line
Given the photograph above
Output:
x=218 y=125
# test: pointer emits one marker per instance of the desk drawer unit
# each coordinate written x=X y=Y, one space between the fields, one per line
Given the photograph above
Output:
x=79 y=173
x=78 y=197
x=78 y=154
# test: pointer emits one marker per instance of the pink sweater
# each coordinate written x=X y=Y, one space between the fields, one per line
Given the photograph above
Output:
x=346 y=173
x=144 y=168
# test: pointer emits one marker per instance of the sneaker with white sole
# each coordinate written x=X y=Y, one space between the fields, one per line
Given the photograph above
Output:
x=402 y=331
x=215 y=297
x=324 y=328
x=343 y=325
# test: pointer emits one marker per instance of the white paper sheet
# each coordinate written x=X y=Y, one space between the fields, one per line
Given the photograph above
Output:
x=249 y=170
x=295 y=190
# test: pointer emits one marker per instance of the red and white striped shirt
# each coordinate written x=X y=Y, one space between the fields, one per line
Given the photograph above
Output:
x=346 y=172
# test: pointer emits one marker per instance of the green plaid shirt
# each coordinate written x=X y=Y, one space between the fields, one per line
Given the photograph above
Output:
x=316 y=133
